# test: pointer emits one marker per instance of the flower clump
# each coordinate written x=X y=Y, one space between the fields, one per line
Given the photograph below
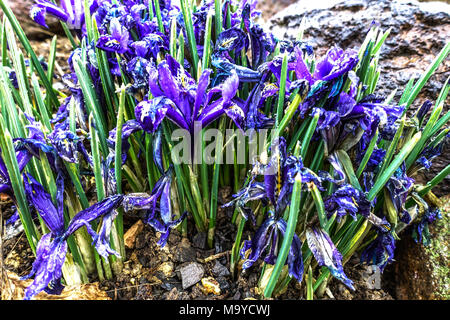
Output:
x=335 y=177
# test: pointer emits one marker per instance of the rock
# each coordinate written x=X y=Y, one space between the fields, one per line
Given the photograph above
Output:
x=166 y=269
x=191 y=274
x=210 y=285
x=422 y=272
x=223 y=283
x=199 y=240
x=173 y=294
x=130 y=236
x=220 y=270
x=184 y=252
x=419 y=30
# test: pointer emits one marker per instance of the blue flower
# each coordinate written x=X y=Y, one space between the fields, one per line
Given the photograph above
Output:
x=52 y=247
x=421 y=232
x=70 y=12
x=380 y=252
x=398 y=187
x=158 y=206
x=342 y=202
x=178 y=97
x=267 y=235
x=117 y=40
x=326 y=254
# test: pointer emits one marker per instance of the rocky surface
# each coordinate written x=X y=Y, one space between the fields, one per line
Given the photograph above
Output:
x=422 y=272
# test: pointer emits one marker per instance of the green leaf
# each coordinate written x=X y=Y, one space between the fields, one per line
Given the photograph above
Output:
x=309 y=285
x=425 y=136
x=392 y=146
x=34 y=59
x=320 y=207
x=346 y=162
x=9 y=156
x=367 y=155
x=426 y=75
x=282 y=90
x=384 y=177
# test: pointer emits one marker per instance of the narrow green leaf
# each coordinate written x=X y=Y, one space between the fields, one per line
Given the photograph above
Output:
x=384 y=177
x=10 y=160
x=346 y=162
x=207 y=43
x=187 y=15
x=367 y=155
x=426 y=75
x=320 y=207
x=309 y=285
x=26 y=43
x=282 y=91
x=308 y=135
x=96 y=160
x=425 y=136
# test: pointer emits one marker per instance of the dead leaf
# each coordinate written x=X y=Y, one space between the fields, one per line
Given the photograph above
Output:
x=12 y=288
x=130 y=236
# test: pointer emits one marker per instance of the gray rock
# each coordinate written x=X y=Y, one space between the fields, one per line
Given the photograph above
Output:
x=191 y=274
x=185 y=252
x=419 y=30
x=220 y=270
x=199 y=240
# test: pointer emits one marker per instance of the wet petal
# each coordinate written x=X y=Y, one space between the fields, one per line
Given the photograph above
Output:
x=47 y=268
x=42 y=201
x=326 y=254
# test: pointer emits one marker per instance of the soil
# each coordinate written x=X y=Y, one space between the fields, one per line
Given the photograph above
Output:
x=153 y=273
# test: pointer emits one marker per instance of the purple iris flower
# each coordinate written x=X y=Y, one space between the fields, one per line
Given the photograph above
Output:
x=380 y=251
x=232 y=41
x=269 y=234
x=421 y=232
x=326 y=254
x=70 y=12
x=255 y=119
x=398 y=187
x=342 y=202
x=376 y=158
x=52 y=247
x=254 y=191
x=262 y=43
x=23 y=157
x=61 y=142
x=158 y=205
x=423 y=110
x=431 y=152
x=279 y=177
x=178 y=97
x=117 y=40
